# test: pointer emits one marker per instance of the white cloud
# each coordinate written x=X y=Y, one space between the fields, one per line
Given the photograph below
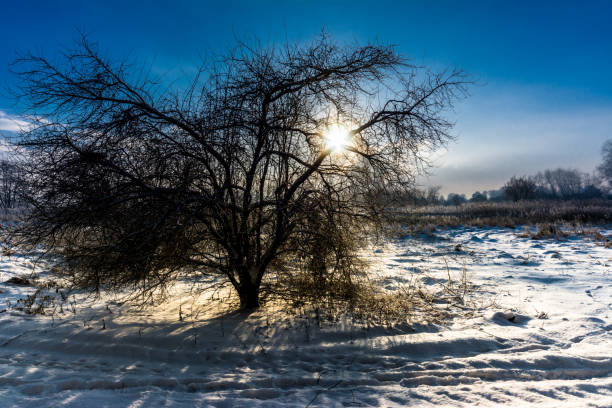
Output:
x=11 y=123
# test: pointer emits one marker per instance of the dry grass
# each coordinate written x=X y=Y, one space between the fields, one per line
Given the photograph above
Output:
x=364 y=300
x=547 y=231
x=508 y=214
x=561 y=231
x=595 y=235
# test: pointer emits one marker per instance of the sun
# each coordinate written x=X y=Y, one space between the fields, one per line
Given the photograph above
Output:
x=337 y=138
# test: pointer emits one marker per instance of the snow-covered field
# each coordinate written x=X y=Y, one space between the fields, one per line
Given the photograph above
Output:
x=556 y=351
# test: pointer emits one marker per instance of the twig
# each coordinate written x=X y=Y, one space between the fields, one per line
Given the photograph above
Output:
x=320 y=391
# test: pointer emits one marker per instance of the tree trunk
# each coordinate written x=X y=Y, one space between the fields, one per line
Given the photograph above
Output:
x=249 y=295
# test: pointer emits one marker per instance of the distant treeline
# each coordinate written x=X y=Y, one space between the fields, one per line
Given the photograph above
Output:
x=557 y=184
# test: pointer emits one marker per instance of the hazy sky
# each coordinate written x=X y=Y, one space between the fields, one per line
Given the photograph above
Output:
x=544 y=93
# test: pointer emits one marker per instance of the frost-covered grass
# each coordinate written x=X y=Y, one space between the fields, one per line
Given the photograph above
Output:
x=534 y=329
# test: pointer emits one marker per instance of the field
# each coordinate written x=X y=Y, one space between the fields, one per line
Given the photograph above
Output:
x=530 y=326
x=508 y=213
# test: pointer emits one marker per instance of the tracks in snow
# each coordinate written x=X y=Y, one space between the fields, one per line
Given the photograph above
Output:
x=390 y=371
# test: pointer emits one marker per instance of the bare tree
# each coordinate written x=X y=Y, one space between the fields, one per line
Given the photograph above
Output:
x=545 y=185
x=520 y=188
x=568 y=181
x=456 y=199
x=268 y=151
x=560 y=183
x=478 y=197
x=433 y=195
x=10 y=184
x=605 y=168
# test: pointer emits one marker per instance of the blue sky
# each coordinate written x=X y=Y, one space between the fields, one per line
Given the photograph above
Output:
x=544 y=93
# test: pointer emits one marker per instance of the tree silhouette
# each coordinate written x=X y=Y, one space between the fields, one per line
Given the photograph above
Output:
x=519 y=188
x=135 y=184
x=10 y=184
x=605 y=168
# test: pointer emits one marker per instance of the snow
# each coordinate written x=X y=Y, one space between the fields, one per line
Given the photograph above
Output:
x=541 y=336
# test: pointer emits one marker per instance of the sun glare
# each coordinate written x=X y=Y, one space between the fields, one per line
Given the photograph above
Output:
x=337 y=137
